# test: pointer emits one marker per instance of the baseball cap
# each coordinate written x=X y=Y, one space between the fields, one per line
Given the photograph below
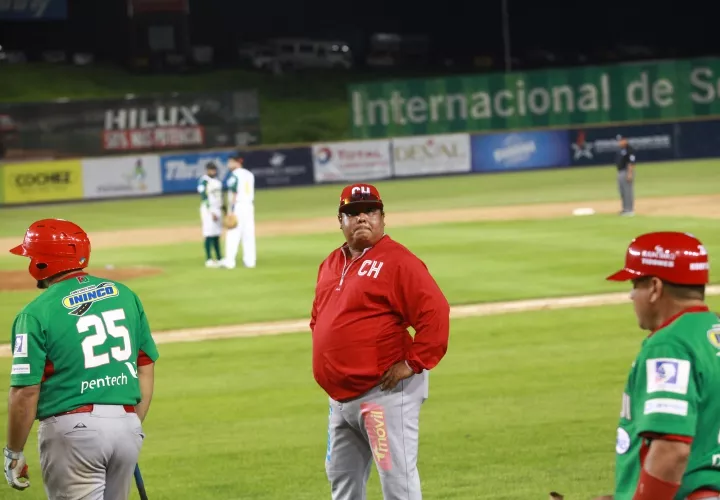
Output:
x=674 y=257
x=355 y=194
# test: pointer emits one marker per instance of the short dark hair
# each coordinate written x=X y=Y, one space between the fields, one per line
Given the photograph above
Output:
x=685 y=292
x=210 y=166
x=682 y=292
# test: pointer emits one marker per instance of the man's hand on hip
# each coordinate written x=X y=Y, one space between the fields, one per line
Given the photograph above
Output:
x=16 y=470
x=397 y=372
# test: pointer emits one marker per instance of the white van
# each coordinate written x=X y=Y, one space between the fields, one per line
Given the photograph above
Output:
x=305 y=53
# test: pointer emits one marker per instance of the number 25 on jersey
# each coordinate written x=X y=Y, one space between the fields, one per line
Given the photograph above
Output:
x=102 y=327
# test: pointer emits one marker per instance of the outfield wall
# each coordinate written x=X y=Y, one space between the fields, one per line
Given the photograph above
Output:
x=368 y=160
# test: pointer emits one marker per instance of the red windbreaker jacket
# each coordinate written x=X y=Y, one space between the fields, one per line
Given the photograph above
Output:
x=361 y=312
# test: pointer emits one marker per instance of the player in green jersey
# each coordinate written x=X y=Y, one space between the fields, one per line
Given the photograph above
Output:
x=83 y=365
x=668 y=438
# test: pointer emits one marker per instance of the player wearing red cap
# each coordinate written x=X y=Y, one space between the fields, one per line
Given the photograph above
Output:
x=368 y=292
x=83 y=360
x=668 y=439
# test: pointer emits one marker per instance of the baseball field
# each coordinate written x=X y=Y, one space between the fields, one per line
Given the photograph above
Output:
x=526 y=400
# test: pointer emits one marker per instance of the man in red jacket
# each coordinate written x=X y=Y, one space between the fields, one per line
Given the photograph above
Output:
x=368 y=292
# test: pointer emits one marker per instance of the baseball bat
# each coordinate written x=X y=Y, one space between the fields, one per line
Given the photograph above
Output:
x=140 y=483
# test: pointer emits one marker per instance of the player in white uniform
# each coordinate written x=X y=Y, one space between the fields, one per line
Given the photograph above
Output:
x=211 y=199
x=241 y=196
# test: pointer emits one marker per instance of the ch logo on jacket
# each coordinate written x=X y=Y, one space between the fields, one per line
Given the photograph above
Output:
x=370 y=268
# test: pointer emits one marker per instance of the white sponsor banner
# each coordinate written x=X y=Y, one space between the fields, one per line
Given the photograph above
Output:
x=432 y=154
x=352 y=161
x=121 y=176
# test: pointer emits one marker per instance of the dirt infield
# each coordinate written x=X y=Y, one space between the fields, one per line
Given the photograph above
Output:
x=465 y=311
x=21 y=280
x=705 y=206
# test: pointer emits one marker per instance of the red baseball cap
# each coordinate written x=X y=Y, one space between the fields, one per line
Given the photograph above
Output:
x=356 y=194
x=674 y=257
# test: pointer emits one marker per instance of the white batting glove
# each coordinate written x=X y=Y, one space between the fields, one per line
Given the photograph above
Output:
x=16 y=469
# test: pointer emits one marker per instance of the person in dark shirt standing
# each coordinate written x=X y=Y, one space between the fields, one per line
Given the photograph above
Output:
x=625 y=162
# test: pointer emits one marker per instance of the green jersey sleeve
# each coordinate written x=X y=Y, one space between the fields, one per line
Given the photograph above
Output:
x=666 y=398
x=202 y=189
x=146 y=343
x=232 y=184
x=29 y=351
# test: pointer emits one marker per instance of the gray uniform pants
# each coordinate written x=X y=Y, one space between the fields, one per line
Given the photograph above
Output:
x=90 y=456
x=382 y=427
x=626 y=191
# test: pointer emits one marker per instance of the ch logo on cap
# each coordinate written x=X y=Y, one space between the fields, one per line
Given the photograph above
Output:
x=361 y=189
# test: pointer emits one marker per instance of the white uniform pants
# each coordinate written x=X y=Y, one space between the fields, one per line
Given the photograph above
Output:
x=244 y=233
x=210 y=227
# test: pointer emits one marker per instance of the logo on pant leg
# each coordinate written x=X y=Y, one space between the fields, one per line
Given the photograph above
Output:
x=328 y=454
x=376 y=427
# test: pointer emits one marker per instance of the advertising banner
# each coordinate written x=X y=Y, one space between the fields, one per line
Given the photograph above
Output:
x=590 y=95
x=280 y=167
x=599 y=146
x=33 y=10
x=88 y=128
x=698 y=139
x=520 y=150
x=42 y=181
x=352 y=161
x=428 y=155
x=180 y=173
x=122 y=176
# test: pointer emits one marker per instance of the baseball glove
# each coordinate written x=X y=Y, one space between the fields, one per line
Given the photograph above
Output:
x=230 y=221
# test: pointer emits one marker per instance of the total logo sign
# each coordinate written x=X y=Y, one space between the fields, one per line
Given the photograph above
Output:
x=352 y=161
x=435 y=154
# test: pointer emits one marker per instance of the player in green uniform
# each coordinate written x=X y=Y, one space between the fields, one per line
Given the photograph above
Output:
x=83 y=365
x=668 y=439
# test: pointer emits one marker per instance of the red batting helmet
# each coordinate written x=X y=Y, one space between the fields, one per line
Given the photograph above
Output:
x=54 y=246
x=675 y=257
x=356 y=194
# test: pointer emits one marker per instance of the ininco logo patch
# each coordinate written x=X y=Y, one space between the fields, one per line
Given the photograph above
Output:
x=81 y=300
x=713 y=336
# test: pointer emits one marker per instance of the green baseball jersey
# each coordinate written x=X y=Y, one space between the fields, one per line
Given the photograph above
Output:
x=80 y=340
x=673 y=389
x=211 y=192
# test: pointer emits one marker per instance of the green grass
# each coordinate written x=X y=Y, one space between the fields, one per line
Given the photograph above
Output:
x=659 y=179
x=521 y=405
x=472 y=262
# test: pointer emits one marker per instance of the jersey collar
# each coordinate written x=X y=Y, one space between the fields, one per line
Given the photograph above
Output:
x=693 y=309
x=74 y=274
x=344 y=248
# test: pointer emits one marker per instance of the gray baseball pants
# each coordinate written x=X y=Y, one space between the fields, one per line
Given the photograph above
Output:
x=626 y=191
x=90 y=456
x=381 y=427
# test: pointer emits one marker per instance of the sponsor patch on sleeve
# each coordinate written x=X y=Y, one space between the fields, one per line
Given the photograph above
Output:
x=668 y=375
x=21 y=346
x=666 y=405
x=20 y=369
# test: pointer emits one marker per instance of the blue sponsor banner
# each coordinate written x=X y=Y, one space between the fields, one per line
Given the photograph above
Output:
x=280 y=167
x=520 y=151
x=33 y=10
x=180 y=173
x=599 y=146
x=699 y=139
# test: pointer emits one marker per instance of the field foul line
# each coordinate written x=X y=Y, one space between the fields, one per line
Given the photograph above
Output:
x=465 y=311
